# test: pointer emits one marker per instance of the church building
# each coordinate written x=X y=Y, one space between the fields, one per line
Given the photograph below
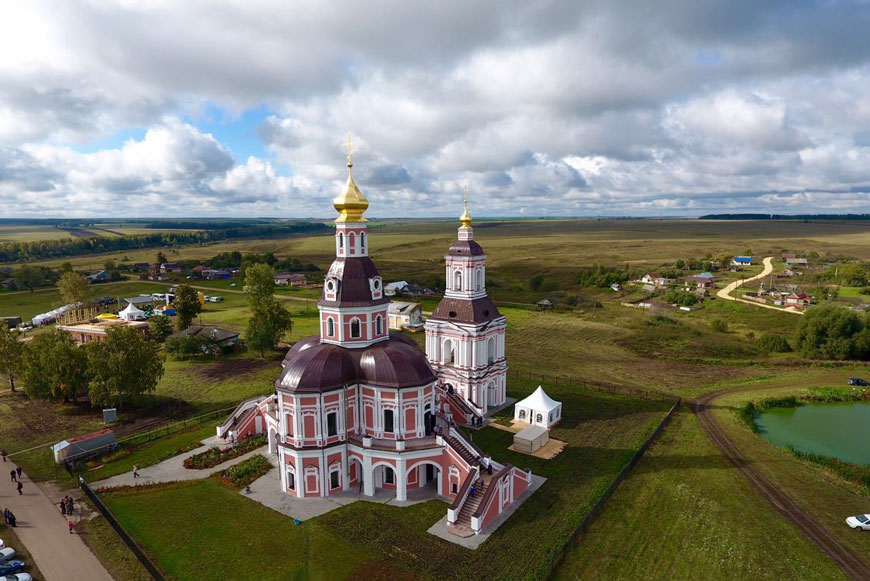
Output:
x=358 y=410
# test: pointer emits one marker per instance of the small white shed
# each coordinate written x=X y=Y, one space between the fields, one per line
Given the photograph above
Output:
x=539 y=409
x=531 y=439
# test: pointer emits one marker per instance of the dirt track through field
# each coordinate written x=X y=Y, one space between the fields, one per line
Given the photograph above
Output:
x=852 y=565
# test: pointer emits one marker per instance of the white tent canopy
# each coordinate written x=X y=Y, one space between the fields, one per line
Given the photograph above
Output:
x=131 y=313
x=538 y=409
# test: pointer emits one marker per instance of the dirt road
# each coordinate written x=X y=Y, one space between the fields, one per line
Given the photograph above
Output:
x=852 y=565
x=725 y=293
x=43 y=530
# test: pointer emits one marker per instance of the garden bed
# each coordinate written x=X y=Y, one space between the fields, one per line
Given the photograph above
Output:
x=245 y=473
x=214 y=455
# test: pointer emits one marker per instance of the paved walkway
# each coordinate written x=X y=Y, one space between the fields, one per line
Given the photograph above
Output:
x=173 y=470
x=725 y=293
x=43 y=530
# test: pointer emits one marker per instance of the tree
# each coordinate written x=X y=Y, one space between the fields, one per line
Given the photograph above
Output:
x=53 y=367
x=536 y=281
x=187 y=306
x=829 y=332
x=66 y=267
x=10 y=354
x=28 y=277
x=161 y=258
x=110 y=266
x=160 y=327
x=269 y=320
x=73 y=287
x=124 y=365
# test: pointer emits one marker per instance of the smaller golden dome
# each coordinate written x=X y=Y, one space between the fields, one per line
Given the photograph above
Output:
x=465 y=218
x=350 y=203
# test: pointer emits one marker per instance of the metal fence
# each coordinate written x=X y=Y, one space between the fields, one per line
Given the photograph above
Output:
x=547 y=570
x=149 y=565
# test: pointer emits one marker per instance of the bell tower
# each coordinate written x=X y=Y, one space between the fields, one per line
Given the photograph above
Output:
x=465 y=336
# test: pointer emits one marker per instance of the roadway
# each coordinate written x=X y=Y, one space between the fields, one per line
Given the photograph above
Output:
x=725 y=293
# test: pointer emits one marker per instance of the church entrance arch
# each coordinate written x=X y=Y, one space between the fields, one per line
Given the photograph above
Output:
x=428 y=475
x=491 y=395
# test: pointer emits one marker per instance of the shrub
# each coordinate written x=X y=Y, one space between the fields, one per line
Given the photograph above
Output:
x=719 y=325
x=682 y=298
x=184 y=348
x=773 y=343
x=661 y=321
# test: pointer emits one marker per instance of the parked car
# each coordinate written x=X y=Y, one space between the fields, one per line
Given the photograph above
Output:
x=858 y=381
x=214 y=299
x=10 y=567
x=17 y=577
x=6 y=554
x=859 y=522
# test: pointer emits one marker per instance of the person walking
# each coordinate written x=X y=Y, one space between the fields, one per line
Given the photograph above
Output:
x=70 y=526
x=18 y=471
x=4 y=454
x=70 y=504
x=12 y=475
x=63 y=506
x=135 y=471
x=20 y=486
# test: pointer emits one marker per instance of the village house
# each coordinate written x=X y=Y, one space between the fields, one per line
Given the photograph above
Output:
x=655 y=279
x=169 y=267
x=787 y=256
x=99 y=276
x=703 y=280
x=742 y=261
x=404 y=315
x=288 y=279
x=616 y=287
x=796 y=262
x=8 y=284
x=222 y=337
x=87 y=332
x=140 y=267
x=797 y=300
x=392 y=288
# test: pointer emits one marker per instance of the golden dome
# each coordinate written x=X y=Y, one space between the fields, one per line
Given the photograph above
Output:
x=350 y=203
x=465 y=218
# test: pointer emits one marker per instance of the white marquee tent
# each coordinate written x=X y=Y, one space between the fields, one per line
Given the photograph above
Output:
x=131 y=313
x=538 y=409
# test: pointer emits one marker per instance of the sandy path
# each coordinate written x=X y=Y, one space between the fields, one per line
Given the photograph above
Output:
x=725 y=293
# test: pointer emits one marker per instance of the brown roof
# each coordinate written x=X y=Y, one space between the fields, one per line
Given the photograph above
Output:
x=210 y=332
x=353 y=275
x=466 y=311
x=465 y=248
x=312 y=367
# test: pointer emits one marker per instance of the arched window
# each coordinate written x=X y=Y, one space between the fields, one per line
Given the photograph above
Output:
x=522 y=414
x=457 y=280
x=341 y=241
x=490 y=350
x=351 y=242
x=362 y=241
x=479 y=279
x=354 y=329
x=388 y=421
x=449 y=353
x=330 y=327
x=540 y=419
x=379 y=325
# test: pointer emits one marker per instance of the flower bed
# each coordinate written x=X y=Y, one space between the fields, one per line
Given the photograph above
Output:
x=244 y=473
x=214 y=456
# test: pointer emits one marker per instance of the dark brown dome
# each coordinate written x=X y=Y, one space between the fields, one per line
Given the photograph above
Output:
x=353 y=275
x=314 y=367
x=465 y=248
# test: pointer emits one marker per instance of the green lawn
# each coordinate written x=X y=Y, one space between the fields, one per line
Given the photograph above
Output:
x=205 y=530
x=105 y=543
x=687 y=513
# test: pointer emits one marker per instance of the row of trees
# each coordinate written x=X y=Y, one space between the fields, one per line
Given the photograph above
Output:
x=53 y=367
x=41 y=249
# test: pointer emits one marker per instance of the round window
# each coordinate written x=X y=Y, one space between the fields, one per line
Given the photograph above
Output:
x=377 y=284
x=330 y=285
x=451 y=314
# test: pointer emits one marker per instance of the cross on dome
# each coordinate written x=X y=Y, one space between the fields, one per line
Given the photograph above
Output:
x=465 y=218
x=350 y=203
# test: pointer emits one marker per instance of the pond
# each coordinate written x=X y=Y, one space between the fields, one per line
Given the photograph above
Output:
x=839 y=430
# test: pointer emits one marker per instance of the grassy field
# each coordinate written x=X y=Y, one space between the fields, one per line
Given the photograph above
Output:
x=687 y=513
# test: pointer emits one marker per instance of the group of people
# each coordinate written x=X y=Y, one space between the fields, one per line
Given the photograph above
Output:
x=67 y=506
x=15 y=474
x=8 y=517
x=476 y=422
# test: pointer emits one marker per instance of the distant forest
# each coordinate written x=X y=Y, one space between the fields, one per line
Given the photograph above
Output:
x=41 y=249
x=805 y=217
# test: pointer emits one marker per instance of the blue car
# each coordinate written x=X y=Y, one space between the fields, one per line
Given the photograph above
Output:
x=10 y=567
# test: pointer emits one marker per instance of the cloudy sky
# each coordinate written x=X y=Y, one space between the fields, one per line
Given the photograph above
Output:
x=559 y=108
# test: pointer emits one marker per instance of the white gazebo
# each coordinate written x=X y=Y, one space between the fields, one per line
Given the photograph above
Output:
x=538 y=409
x=131 y=313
